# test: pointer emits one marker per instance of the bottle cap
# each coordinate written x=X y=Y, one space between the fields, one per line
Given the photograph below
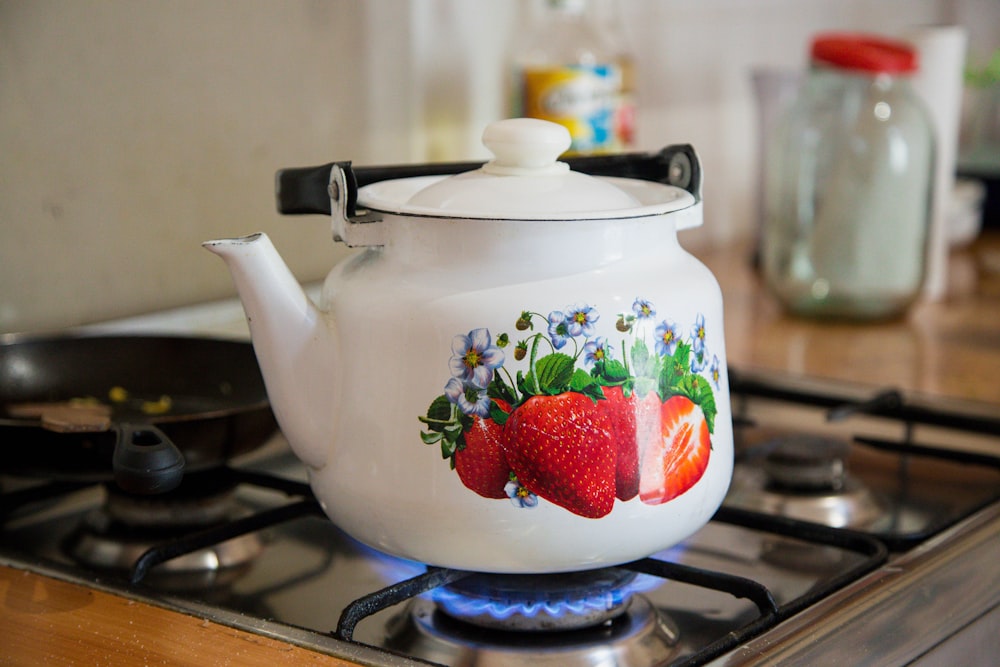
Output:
x=865 y=53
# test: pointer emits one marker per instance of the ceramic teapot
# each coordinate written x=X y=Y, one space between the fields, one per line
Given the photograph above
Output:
x=520 y=370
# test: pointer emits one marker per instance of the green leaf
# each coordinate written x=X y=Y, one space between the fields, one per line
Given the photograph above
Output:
x=499 y=389
x=675 y=368
x=594 y=393
x=497 y=414
x=580 y=380
x=702 y=394
x=439 y=413
x=584 y=383
x=553 y=374
x=431 y=438
x=610 y=372
x=709 y=408
x=448 y=448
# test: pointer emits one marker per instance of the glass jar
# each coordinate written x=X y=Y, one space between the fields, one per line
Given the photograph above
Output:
x=849 y=184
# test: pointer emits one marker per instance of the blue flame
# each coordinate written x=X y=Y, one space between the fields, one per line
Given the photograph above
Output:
x=394 y=569
x=464 y=606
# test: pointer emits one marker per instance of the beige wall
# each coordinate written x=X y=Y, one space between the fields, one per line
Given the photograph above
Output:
x=131 y=131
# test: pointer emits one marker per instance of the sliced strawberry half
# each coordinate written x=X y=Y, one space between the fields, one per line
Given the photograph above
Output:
x=674 y=462
x=560 y=448
x=482 y=464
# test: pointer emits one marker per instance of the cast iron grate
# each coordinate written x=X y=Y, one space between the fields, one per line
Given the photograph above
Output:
x=769 y=612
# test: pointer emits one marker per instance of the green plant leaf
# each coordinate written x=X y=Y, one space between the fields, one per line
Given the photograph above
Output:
x=497 y=414
x=553 y=374
x=708 y=406
x=610 y=372
x=448 y=448
x=431 y=438
x=584 y=383
x=499 y=389
x=439 y=413
x=673 y=371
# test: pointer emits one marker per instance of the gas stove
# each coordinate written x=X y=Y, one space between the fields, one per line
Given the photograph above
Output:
x=860 y=522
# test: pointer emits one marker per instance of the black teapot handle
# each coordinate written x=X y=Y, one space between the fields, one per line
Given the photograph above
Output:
x=306 y=190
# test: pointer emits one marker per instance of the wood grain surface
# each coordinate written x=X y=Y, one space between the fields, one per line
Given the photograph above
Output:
x=45 y=621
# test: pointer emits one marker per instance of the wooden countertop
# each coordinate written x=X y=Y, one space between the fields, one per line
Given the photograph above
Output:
x=949 y=348
x=45 y=621
x=946 y=348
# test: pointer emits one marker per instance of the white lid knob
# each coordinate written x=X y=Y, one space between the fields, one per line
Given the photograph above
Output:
x=525 y=146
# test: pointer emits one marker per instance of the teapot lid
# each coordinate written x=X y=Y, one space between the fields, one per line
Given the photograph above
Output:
x=524 y=181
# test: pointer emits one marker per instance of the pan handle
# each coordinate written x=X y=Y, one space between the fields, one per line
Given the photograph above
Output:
x=145 y=461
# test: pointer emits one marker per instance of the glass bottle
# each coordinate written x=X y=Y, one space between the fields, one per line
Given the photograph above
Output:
x=568 y=70
x=849 y=183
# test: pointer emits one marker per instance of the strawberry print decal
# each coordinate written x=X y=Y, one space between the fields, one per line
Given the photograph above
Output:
x=582 y=421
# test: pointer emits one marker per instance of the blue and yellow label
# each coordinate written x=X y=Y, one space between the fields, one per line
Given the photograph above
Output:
x=585 y=99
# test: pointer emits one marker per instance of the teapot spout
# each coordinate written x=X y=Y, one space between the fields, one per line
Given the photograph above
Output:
x=294 y=342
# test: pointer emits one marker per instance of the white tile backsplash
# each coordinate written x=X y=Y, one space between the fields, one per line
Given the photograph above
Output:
x=132 y=131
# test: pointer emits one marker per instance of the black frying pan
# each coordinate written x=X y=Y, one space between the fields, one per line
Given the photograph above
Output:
x=195 y=402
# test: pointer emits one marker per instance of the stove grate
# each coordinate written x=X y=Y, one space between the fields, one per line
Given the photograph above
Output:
x=769 y=612
x=214 y=535
x=889 y=403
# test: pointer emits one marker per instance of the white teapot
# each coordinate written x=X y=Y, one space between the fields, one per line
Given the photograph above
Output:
x=521 y=371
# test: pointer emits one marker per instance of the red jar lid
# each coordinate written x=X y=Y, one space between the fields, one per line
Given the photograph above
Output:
x=865 y=53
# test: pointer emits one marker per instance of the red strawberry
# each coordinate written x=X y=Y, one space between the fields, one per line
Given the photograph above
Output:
x=560 y=448
x=673 y=463
x=482 y=464
x=621 y=412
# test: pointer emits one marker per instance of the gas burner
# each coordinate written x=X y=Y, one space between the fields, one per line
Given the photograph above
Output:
x=115 y=534
x=806 y=478
x=638 y=635
x=533 y=602
x=807 y=464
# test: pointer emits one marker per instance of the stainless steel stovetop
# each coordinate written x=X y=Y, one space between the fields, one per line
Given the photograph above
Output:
x=906 y=571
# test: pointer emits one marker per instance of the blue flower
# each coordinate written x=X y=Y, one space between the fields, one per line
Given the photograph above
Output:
x=519 y=495
x=471 y=400
x=643 y=309
x=666 y=338
x=558 y=328
x=596 y=350
x=698 y=334
x=580 y=320
x=715 y=371
x=475 y=357
x=699 y=360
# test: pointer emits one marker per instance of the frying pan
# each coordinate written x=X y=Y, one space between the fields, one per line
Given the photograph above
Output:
x=176 y=404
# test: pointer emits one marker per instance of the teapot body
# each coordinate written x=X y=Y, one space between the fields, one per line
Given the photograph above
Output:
x=525 y=395
x=520 y=371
